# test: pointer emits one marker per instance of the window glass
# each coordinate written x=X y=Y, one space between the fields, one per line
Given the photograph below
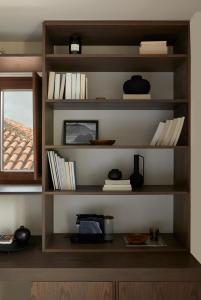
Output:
x=17 y=153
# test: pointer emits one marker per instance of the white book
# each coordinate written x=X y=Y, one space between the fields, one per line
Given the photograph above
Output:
x=73 y=91
x=179 y=131
x=77 y=87
x=51 y=85
x=69 y=185
x=162 y=133
x=116 y=188
x=166 y=134
x=57 y=86
x=57 y=171
x=68 y=90
x=157 y=134
x=71 y=175
x=51 y=170
x=136 y=96
x=86 y=88
x=82 y=86
x=62 y=88
x=176 y=130
x=154 y=43
x=156 y=51
x=52 y=157
x=63 y=172
x=117 y=182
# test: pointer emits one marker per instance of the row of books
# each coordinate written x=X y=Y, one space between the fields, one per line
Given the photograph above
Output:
x=153 y=47
x=137 y=96
x=117 y=185
x=63 y=172
x=168 y=132
x=67 y=86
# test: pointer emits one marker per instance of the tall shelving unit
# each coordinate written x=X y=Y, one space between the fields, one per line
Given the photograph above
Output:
x=120 y=33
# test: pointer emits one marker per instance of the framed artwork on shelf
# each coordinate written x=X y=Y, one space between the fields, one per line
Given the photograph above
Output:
x=80 y=132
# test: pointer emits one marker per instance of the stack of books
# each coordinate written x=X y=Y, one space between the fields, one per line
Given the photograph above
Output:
x=63 y=172
x=168 y=132
x=67 y=86
x=117 y=185
x=136 y=96
x=153 y=47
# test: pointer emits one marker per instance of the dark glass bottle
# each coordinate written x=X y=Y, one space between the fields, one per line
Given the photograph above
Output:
x=137 y=179
x=75 y=44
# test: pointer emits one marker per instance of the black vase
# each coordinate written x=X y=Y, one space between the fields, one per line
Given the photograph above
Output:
x=136 y=85
x=137 y=179
x=115 y=174
x=22 y=235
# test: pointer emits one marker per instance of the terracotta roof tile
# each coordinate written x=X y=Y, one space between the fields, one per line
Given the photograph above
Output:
x=18 y=146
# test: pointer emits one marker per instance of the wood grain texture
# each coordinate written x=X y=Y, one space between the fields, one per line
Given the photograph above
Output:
x=135 y=291
x=72 y=291
x=159 y=291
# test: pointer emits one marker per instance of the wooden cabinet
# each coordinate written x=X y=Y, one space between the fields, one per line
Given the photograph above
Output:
x=72 y=291
x=159 y=291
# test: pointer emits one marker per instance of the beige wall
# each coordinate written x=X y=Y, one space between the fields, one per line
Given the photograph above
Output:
x=196 y=136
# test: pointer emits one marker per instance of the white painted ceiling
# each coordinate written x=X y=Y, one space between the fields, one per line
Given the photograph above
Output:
x=22 y=19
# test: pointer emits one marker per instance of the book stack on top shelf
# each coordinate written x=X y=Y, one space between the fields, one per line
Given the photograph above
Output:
x=67 y=86
x=168 y=132
x=63 y=173
x=153 y=47
x=117 y=185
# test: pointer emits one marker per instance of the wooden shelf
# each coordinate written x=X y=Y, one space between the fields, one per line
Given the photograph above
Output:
x=115 y=32
x=20 y=63
x=117 y=104
x=66 y=147
x=114 y=62
x=62 y=243
x=145 y=190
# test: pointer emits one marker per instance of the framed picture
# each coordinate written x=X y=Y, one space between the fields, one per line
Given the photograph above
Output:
x=80 y=132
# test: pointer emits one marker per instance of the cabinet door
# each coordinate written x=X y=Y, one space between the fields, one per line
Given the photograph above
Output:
x=177 y=291
x=136 y=291
x=72 y=291
x=159 y=291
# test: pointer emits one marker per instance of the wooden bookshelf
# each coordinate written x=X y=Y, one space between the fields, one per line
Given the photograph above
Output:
x=120 y=33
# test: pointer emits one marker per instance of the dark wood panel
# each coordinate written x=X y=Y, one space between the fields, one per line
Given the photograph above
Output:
x=117 y=104
x=145 y=190
x=114 y=63
x=116 y=32
x=37 y=125
x=72 y=291
x=115 y=146
x=47 y=219
x=159 y=291
x=20 y=63
x=136 y=291
x=177 y=291
x=182 y=219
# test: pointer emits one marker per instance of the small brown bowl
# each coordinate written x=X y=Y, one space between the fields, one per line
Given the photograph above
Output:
x=137 y=239
x=102 y=142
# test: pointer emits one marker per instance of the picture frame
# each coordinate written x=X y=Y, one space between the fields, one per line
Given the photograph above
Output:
x=79 y=132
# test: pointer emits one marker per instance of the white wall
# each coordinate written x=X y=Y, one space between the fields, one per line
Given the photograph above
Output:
x=195 y=135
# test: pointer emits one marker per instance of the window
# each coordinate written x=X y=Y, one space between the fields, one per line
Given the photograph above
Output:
x=19 y=153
